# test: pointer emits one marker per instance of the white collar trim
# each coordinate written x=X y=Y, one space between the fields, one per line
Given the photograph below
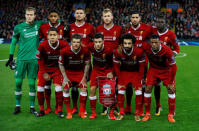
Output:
x=100 y=49
x=136 y=27
x=79 y=25
x=54 y=48
x=74 y=51
x=109 y=27
x=53 y=26
x=163 y=32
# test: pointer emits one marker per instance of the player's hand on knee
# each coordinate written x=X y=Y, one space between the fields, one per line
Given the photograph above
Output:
x=171 y=87
x=110 y=75
x=83 y=82
x=46 y=76
x=66 y=82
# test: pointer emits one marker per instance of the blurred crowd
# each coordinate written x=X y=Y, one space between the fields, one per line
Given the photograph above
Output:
x=185 y=24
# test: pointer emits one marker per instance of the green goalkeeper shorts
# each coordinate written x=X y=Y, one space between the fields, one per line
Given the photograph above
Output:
x=29 y=66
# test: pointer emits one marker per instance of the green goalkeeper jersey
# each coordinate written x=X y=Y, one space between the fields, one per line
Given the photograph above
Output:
x=28 y=39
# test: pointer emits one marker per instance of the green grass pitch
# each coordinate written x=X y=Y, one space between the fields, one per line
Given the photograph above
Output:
x=187 y=108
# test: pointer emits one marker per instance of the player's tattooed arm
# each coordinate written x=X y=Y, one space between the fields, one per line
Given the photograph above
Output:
x=86 y=70
x=65 y=80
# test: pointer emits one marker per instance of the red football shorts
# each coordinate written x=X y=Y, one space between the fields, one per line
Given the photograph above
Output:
x=154 y=74
x=129 y=77
x=74 y=76
x=95 y=74
x=55 y=76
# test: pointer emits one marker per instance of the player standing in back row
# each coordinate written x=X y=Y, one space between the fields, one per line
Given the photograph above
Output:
x=142 y=32
x=53 y=22
x=27 y=33
x=167 y=37
x=111 y=32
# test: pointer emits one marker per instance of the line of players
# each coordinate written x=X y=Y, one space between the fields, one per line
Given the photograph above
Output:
x=128 y=65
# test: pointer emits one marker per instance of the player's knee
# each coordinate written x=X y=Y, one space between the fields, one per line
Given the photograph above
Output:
x=19 y=83
x=170 y=91
x=66 y=91
x=84 y=90
x=31 y=83
x=93 y=91
x=148 y=89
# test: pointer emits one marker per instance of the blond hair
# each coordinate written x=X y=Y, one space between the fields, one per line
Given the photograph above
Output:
x=31 y=9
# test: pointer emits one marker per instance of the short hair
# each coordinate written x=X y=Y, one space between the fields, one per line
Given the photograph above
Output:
x=154 y=36
x=53 y=11
x=53 y=29
x=160 y=16
x=31 y=9
x=135 y=12
x=107 y=10
x=76 y=36
x=79 y=8
x=128 y=36
x=99 y=35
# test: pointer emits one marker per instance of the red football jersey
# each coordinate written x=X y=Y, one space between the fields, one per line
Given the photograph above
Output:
x=168 y=38
x=74 y=61
x=48 y=55
x=111 y=35
x=129 y=62
x=45 y=27
x=162 y=59
x=102 y=60
x=142 y=32
x=86 y=30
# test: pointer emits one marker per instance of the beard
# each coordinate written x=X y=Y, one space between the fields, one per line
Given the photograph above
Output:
x=128 y=50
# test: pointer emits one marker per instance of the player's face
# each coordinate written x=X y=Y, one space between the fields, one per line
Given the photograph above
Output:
x=53 y=17
x=53 y=36
x=127 y=45
x=155 y=44
x=160 y=23
x=107 y=18
x=80 y=15
x=98 y=42
x=30 y=16
x=76 y=43
x=135 y=19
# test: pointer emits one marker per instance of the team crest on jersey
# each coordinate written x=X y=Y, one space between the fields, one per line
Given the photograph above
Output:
x=106 y=89
x=165 y=40
x=134 y=58
x=82 y=57
x=60 y=32
x=103 y=56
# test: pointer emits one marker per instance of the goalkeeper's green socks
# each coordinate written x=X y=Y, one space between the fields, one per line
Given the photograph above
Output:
x=18 y=92
x=31 y=83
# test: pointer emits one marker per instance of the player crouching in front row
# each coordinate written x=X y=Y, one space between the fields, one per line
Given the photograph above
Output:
x=129 y=62
x=163 y=67
x=47 y=56
x=74 y=64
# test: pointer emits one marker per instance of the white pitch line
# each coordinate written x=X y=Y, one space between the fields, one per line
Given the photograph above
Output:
x=180 y=55
x=5 y=59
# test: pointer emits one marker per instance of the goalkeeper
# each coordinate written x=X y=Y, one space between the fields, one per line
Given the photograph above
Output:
x=27 y=36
